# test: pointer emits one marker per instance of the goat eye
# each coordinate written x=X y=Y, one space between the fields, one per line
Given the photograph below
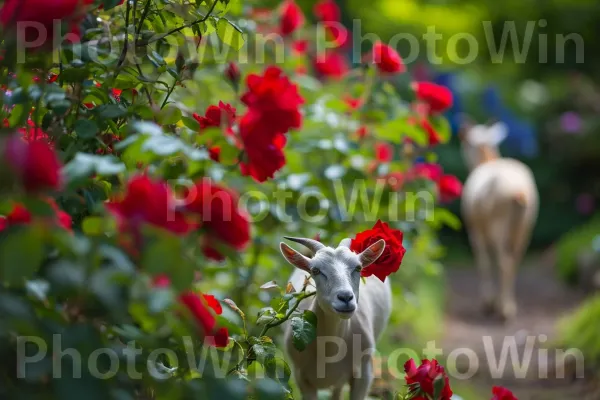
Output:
x=315 y=271
x=358 y=269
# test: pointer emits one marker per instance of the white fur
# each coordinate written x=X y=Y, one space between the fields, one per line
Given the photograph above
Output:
x=342 y=351
x=499 y=206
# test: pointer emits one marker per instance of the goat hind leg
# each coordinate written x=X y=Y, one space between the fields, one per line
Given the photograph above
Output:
x=483 y=259
x=507 y=264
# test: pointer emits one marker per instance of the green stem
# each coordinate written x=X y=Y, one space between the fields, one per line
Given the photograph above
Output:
x=164 y=103
x=179 y=29
x=126 y=46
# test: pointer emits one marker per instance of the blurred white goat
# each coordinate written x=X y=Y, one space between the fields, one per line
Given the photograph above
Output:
x=499 y=207
x=351 y=315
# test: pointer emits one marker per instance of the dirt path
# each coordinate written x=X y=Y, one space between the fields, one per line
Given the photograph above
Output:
x=542 y=301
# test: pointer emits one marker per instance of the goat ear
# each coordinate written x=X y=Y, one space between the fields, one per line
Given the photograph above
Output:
x=372 y=253
x=497 y=133
x=295 y=258
x=345 y=243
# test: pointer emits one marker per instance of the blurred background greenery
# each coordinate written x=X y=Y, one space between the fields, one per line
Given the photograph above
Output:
x=550 y=102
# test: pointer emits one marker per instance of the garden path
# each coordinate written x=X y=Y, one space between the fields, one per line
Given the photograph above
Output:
x=543 y=299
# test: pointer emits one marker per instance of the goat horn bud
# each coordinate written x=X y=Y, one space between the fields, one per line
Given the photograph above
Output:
x=311 y=244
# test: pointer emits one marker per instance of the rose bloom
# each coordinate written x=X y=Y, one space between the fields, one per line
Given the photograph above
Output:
x=200 y=307
x=389 y=262
x=437 y=97
x=263 y=156
x=292 y=18
x=216 y=116
x=384 y=152
x=387 y=60
x=449 y=188
x=274 y=102
x=35 y=164
x=220 y=216
x=327 y=11
x=331 y=65
x=232 y=73
x=19 y=215
x=148 y=201
x=43 y=12
x=424 y=376
x=501 y=393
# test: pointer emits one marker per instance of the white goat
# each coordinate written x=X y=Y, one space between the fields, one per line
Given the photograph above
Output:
x=351 y=315
x=499 y=207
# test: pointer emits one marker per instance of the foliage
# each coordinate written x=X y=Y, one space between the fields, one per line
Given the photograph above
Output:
x=133 y=112
x=578 y=331
x=571 y=245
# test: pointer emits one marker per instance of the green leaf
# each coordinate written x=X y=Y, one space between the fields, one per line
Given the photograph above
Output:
x=169 y=115
x=191 y=123
x=86 y=129
x=110 y=111
x=21 y=254
x=445 y=217
x=230 y=34
x=108 y=4
x=304 y=330
x=84 y=165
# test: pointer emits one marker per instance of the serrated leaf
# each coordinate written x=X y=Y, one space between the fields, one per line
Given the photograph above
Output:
x=230 y=34
x=304 y=330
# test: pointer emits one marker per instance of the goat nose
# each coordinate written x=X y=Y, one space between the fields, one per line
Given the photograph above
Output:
x=346 y=297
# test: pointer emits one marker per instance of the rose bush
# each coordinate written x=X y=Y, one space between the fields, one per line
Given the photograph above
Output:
x=151 y=167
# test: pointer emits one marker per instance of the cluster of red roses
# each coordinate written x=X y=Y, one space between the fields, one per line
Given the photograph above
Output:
x=422 y=382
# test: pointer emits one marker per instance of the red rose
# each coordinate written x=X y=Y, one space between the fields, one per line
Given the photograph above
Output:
x=151 y=202
x=501 y=393
x=232 y=73
x=424 y=376
x=439 y=98
x=274 y=102
x=20 y=215
x=263 y=156
x=327 y=10
x=43 y=12
x=384 y=152
x=300 y=46
x=220 y=216
x=217 y=116
x=35 y=164
x=32 y=134
x=449 y=188
x=387 y=59
x=200 y=307
x=352 y=103
x=331 y=65
x=389 y=262
x=429 y=171
x=292 y=17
